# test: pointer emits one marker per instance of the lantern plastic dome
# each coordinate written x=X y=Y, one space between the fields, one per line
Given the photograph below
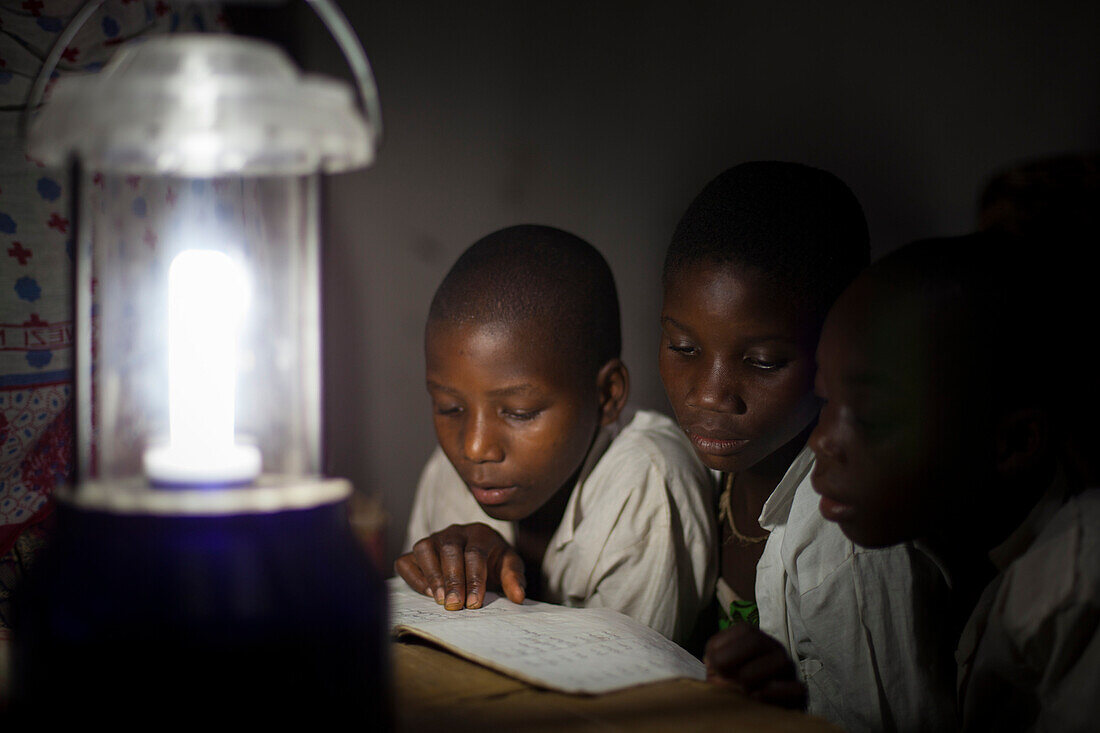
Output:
x=202 y=105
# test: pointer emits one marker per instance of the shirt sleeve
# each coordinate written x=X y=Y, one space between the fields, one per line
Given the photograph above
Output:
x=1036 y=663
x=1069 y=687
x=656 y=565
x=419 y=522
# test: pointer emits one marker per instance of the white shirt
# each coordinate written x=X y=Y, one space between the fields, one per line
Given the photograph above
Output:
x=861 y=624
x=1029 y=657
x=637 y=535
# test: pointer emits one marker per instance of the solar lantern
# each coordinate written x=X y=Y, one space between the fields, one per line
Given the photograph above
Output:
x=201 y=556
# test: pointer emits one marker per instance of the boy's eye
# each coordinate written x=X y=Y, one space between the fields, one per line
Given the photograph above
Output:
x=872 y=428
x=521 y=415
x=447 y=409
x=759 y=362
x=685 y=349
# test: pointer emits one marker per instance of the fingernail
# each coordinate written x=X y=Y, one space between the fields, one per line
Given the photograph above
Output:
x=453 y=602
x=439 y=596
x=471 y=601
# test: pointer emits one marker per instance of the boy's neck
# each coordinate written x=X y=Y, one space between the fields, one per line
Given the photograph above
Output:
x=533 y=533
x=989 y=518
x=968 y=571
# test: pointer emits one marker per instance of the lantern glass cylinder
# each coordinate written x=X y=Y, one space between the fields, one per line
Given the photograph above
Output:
x=241 y=373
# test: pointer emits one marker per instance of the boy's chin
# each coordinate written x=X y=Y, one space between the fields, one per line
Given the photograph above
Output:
x=872 y=537
x=723 y=464
x=504 y=512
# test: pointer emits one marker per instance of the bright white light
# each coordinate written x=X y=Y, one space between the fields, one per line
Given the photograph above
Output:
x=208 y=296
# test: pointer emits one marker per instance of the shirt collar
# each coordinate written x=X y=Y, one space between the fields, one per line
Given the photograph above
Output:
x=778 y=506
x=1021 y=538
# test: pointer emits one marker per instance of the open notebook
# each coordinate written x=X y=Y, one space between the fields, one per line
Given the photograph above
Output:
x=578 y=650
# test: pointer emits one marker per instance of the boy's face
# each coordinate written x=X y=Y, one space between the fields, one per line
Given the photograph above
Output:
x=513 y=419
x=737 y=363
x=891 y=442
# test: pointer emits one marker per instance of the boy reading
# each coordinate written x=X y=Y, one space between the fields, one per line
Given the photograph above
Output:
x=939 y=424
x=541 y=485
x=754 y=264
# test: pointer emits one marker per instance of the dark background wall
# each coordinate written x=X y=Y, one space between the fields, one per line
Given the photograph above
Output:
x=606 y=118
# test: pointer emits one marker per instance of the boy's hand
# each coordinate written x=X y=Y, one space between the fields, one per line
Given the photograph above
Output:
x=456 y=565
x=746 y=658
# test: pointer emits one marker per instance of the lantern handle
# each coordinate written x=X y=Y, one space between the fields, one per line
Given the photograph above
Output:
x=38 y=89
x=334 y=20
x=340 y=29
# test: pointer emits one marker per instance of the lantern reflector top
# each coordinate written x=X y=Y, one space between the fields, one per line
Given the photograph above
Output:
x=203 y=106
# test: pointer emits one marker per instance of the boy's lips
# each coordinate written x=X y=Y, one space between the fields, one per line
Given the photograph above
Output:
x=715 y=446
x=492 y=495
x=833 y=510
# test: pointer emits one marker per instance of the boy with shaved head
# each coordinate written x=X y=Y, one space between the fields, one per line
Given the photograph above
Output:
x=943 y=368
x=541 y=485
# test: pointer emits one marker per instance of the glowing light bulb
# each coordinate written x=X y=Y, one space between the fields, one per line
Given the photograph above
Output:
x=208 y=297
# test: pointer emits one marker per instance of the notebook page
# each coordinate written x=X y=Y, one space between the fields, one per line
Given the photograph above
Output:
x=575 y=650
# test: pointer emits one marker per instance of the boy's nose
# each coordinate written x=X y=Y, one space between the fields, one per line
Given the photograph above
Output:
x=821 y=441
x=718 y=391
x=480 y=443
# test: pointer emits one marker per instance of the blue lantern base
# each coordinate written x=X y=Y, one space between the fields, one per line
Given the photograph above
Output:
x=136 y=617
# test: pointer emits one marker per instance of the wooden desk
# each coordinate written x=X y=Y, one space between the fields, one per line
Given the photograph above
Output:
x=439 y=692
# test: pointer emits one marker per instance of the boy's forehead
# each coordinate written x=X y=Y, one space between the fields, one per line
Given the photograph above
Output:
x=719 y=289
x=513 y=351
x=880 y=336
x=738 y=305
x=524 y=334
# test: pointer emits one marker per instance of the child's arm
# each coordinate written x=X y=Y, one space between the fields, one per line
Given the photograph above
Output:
x=456 y=565
x=746 y=658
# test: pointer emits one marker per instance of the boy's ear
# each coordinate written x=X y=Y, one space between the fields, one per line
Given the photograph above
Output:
x=1022 y=442
x=613 y=383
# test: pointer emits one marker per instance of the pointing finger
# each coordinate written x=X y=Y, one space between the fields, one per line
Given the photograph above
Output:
x=477 y=568
x=512 y=577
x=453 y=565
